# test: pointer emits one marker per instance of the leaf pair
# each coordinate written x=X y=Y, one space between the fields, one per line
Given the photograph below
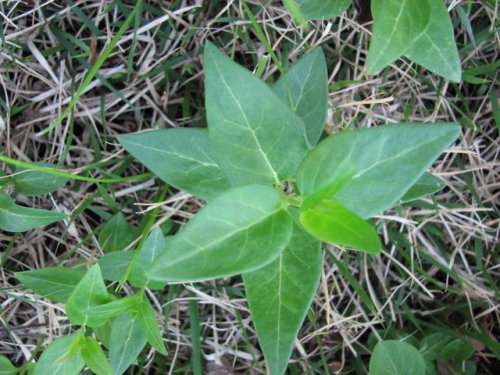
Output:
x=418 y=29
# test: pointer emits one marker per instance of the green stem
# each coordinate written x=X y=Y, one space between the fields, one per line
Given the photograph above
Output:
x=295 y=12
x=267 y=45
x=58 y=172
x=144 y=236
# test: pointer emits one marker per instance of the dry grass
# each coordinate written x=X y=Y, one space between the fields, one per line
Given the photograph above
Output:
x=441 y=263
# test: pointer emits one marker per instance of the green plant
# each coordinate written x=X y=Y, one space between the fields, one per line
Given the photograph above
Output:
x=420 y=30
x=273 y=195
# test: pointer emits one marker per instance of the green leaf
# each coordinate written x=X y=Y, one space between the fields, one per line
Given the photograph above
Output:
x=113 y=308
x=126 y=343
x=376 y=166
x=6 y=367
x=149 y=326
x=56 y=359
x=322 y=9
x=436 y=48
x=280 y=294
x=239 y=231
x=94 y=357
x=427 y=184
x=150 y=249
x=103 y=333
x=392 y=357
x=254 y=136
x=457 y=350
x=397 y=24
x=308 y=81
x=431 y=345
x=181 y=157
x=54 y=283
x=116 y=234
x=331 y=222
x=14 y=218
x=113 y=265
x=89 y=292
x=33 y=183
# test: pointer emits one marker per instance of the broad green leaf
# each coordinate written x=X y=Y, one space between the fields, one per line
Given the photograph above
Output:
x=280 y=294
x=392 y=357
x=14 y=218
x=113 y=308
x=436 y=48
x=56 y=359
x=147 y=255
x=116 y=234
x=6 y=367
x=89 y=292
x=397 y=24
x=94 y=357
x=308 y=81
x=431 y=345
x=331 y=222
x=457 y=350
x=254 y=136
x=54 y=283
x=427 y=184
x=239 y=231
x=113 y=265
x=126 y=342
x=149 y=326
x=322 y=9
x=33 y=183
x=181 y=157
x=376 y=166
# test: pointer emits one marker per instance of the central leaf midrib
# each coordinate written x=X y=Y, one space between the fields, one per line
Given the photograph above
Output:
x=248 y=126
x=222 y=239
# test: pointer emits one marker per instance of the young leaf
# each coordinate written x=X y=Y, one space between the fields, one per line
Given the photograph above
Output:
x=427 y=184
x=6 y=367
x=378 y=164
x=94 y=357
x=116 y=234
x=331 y=222
x=113 y=308
x=392 y=357
x=149 y=326
x=89 y=292
x=126 y=342
x=54 y=283
x=33 y=183
x=14 y=218
x=322 y=9
x=397 y=24
x=436 y=48
x=56 y=359
x=308 y=81
x=147 y=255
x=254 y=136
x=280 y=294
x=180 y=157
x=239 y=231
